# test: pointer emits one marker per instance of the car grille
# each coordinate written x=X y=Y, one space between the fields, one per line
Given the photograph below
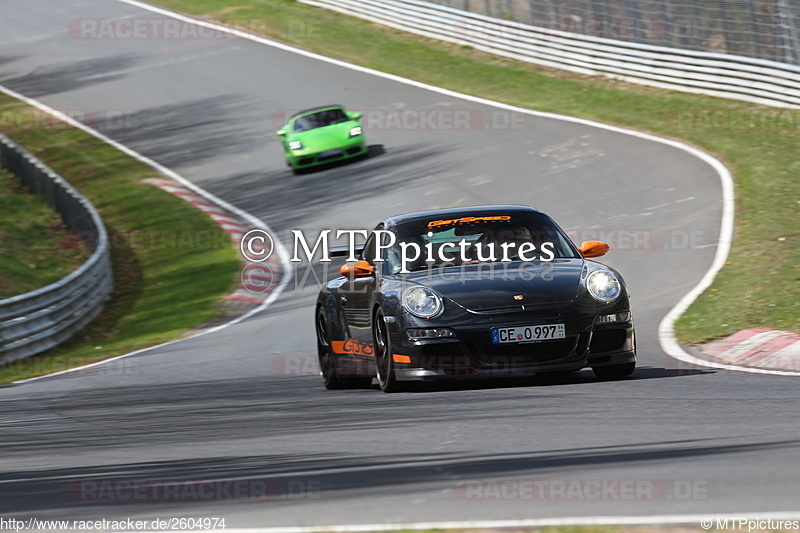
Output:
x=477 y=352
x=526 y=354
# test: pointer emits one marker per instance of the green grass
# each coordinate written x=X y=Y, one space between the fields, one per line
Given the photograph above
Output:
x=37 y=248
x=161 y=291
x=760 y=285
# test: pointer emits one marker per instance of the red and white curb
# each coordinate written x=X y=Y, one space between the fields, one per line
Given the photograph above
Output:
x=258 y=279
x=758 y=348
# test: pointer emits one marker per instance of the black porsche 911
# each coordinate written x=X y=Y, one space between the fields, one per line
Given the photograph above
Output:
x=472 y=292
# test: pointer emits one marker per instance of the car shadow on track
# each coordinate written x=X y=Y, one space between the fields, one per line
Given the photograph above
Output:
x=544 y=380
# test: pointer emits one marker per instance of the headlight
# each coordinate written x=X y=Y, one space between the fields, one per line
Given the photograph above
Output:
x=603 y=286
x=295 y=145
x=355 y=132
x=422 y=302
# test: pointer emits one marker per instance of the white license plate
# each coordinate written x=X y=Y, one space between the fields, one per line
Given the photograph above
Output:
x=544 y=332
x=329 y=153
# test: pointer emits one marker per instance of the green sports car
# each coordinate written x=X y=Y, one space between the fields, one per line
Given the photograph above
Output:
x=322 y=135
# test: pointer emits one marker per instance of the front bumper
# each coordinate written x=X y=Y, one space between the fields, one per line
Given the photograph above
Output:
x=472 y=355
x=306 y=158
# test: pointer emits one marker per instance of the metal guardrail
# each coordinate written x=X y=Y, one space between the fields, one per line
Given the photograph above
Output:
x=36 y=321
x=729 y=76
x=762 y=29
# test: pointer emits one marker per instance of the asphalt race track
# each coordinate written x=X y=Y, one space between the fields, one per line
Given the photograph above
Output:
x=241 y=405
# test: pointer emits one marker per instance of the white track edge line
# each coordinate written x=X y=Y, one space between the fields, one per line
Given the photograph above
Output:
x=666 y=330
x=256 y=222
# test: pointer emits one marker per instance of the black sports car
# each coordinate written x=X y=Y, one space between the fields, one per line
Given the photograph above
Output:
x=468 y=293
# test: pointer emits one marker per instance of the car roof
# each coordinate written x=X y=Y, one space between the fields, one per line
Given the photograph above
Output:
x=481 y=210
x=314 y=109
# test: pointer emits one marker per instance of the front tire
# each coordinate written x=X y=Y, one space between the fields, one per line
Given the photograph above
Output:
x=383 y=354
x=613 y=372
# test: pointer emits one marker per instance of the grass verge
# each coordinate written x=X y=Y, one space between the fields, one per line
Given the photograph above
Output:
x=760 y=284
x=171 y=263
x=30 y=233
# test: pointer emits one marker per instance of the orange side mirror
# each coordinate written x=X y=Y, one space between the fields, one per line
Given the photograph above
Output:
x=593 y=248
x=359 y=269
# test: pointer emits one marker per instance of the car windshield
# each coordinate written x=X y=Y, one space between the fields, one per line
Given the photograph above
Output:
x=439 y=242
x=320 y=119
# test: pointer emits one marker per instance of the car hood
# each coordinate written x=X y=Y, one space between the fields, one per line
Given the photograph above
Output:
x=325 y=137
x=488 y=286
